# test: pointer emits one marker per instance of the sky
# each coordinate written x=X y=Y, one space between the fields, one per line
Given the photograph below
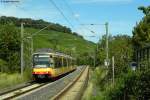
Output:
x=122 y=15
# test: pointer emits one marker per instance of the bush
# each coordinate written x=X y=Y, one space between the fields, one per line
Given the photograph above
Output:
x=3 y=66
x=139 y=85
x=129 y=86
x=10 y=80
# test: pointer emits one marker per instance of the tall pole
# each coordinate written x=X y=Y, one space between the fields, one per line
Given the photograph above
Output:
x=95 y=55
x=94 y=59
x=32 y=46
x=31 y=49
x=113 y=69
x=22 y=51
x=31 y=38
x=106 y=25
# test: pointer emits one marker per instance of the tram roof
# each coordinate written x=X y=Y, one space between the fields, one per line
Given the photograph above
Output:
x=51 y=52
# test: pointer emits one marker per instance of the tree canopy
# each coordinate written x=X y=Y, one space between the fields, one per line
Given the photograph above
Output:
x=141 y=32
x=9 y=47
x=38 y=24
x=120 y=47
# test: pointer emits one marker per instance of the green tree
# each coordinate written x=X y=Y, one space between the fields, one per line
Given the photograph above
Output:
x=38 y=24
x=120 y=47
x=3 y=66
x=141 y=32
x=10 y=46
x=146 y=10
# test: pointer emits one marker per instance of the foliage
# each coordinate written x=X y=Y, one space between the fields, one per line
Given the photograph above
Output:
x=86 y=58
x=141 y=32
x=120 y=47
x=57 y=37
x=10 y=46
x=141 y=38
x=3 y=66
x=10 y=80
x=82 y=49
x=37 y=24
x=128 y=86
x=140 y=85
x=146 y=10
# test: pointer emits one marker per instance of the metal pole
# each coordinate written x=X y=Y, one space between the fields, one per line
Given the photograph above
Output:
x=22 y=45
x=113 y=69
x=94 y=60
x=95 y=55
x=31 y=51
x=32 y=46
x=106 y=25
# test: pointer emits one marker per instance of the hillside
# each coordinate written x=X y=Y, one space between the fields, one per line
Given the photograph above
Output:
x=55 y=36
x=37 y=24
x=65 y=42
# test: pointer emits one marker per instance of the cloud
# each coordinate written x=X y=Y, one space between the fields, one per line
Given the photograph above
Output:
x=101 y=1
x=76 y=15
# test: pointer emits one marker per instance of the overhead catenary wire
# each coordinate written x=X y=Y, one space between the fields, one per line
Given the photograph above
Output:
x=47 y=25
x=73 y=14
x=68 y=6
x=61 y=13
x=79 y=22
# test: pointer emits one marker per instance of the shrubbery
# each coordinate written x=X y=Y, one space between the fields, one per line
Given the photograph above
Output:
x=133 y=85
x=129 y=85
x=9 y=48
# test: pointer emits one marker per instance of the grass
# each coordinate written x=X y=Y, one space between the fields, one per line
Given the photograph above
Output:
x=10 y=80
x=92 y=92
x=60 y=41
x=48 y=39
x=101 y=88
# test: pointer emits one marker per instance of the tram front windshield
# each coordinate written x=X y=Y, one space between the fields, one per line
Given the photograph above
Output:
x=41 y=60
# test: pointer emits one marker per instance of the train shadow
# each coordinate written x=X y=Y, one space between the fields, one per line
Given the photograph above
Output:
x=46 y=80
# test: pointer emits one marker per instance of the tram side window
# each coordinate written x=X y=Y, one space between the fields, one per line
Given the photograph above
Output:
x=58 y=62
x=65 y=62
x=69 y=62
x=73 y=62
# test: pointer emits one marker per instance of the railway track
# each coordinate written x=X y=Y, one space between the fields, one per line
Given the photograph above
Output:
x=20 y=91
x=13 y=88
x=75 y=89
x=42 y=91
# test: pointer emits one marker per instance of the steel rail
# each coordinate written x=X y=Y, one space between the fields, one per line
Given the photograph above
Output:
x=20 y=91
x=36 y=88
x=61 y=93
x=19 y=86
